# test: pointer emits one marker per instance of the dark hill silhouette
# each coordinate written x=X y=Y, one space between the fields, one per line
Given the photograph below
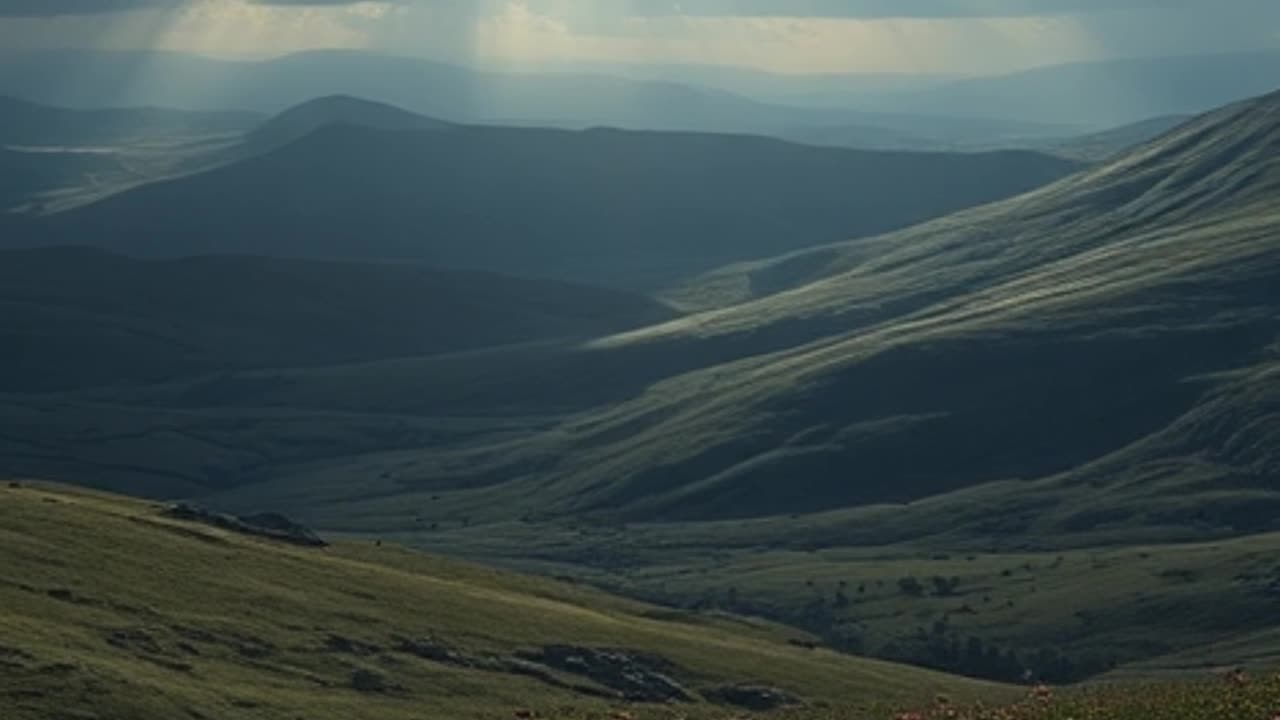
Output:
x=84 y=317
x=304 y=119
x=638 y=209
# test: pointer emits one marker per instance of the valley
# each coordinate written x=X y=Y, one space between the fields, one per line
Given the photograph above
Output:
x=551 y=395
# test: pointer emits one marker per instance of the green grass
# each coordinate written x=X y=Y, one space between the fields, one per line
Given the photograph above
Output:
x=108 y=609
x=1141 y=610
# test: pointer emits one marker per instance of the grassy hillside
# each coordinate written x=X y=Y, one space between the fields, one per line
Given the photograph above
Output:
x=1107 y=144
x=112 y=609
x=1089 y=366
x=155 y=320
x=602 y=206
x=1134 y=287
x=1085 y=372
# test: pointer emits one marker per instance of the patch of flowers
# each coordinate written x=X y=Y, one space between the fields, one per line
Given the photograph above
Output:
x=1234 y=696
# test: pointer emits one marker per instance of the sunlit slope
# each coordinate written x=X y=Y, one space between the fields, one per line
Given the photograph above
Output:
x=608 y=207
x=1044 y=334
x=111 y=609
x=1220 y=162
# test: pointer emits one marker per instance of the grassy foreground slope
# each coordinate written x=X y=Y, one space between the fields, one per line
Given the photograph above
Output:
x=110 y=609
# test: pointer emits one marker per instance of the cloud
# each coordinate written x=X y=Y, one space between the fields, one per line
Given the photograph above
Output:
x=55 y=8
x=788 y=36
x=862 y=9
x=898 y=9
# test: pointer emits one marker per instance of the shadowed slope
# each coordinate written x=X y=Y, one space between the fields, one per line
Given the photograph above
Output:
x=601 y=206
x=85 y=317
x=302 y=120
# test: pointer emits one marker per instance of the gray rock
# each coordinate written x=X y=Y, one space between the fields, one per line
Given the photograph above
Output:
x=752 y=697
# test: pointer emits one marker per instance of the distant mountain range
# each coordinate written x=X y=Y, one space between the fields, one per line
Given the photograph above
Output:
x=1104 y=93
x=635 y=209
x=1047 y=102
x=298 y=122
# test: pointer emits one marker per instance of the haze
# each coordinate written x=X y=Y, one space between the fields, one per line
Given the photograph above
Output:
x=951 y=37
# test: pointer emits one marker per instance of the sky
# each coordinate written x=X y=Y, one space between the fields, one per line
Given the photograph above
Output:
x=953 y=37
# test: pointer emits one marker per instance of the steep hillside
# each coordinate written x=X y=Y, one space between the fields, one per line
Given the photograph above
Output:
x=117 y=608
x=1123 y=286
x=1015 y=342
x=1107 y=144
x=85 y=317
x=602 y=206
x=1134 y=287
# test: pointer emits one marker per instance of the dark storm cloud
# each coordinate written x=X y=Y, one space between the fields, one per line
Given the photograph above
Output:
x=722 y=8
x=55 y=8
x=869 y=9
x=50 y=8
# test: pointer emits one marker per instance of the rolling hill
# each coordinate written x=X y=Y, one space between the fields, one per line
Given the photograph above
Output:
x=1104 y=145
x=975 y=417
x=1142 y=288
x=1130 y=286
x=1071 y=389
x=118 y=608
x=604 y=207
x=157 y=320
x=302 y=120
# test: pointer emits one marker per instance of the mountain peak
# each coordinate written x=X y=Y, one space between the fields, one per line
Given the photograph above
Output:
x=302 y=120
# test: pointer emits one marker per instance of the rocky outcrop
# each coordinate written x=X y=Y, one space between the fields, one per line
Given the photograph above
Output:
x=635 y=677
x=752 y=697
x=271 y=526
x=370 y=682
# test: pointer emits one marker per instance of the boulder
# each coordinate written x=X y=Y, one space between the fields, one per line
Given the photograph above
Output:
x=271 y=526
x=636 y=677
x=757 y=698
